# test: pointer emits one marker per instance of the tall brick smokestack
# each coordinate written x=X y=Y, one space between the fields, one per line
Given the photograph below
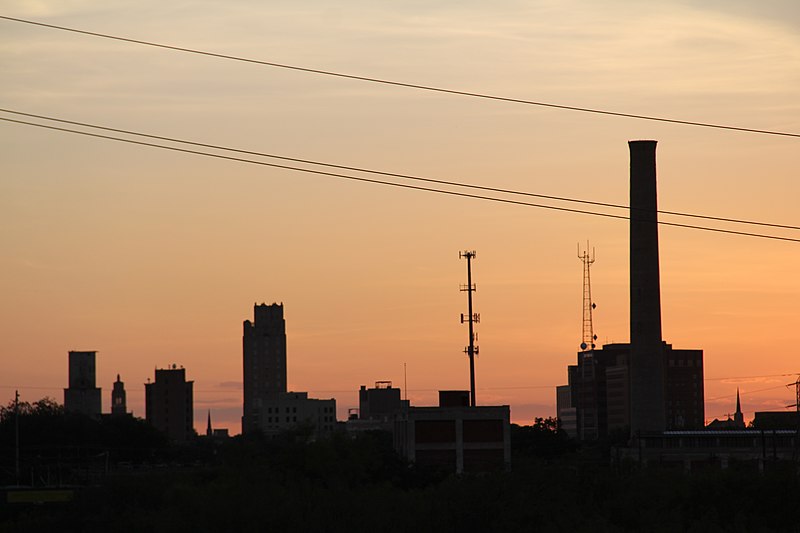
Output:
x=646 y=359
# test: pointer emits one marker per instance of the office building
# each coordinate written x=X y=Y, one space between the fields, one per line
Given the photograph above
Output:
x=456 y=438
x=169 y=403
x=82 y=396
x=600 y=390
x=268 y=406
x=566 y=411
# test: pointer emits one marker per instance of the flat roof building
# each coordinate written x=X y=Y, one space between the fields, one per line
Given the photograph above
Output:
x=169 y=403
x=458 y=439
x=268 y=406
x=82 y=395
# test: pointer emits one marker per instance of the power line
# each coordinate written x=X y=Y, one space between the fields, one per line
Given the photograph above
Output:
x=392 y=174
x=744 y=393
x=409 y=85
x=393 y=184
x=750 y=377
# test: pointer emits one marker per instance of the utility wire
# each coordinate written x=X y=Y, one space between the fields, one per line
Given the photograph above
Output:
x=393 y=174
x=392 y=184
x=408 y=85
x=750 y=377
x=744 y=393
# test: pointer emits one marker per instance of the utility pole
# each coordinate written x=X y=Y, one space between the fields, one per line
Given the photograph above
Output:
x=472 y=319
x=16 y=434
x=797 y=419
x=588 y=338
x=796 y=405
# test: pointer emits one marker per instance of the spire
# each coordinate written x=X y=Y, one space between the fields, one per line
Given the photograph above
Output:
x=117 y=378
x=209 y=431
x=738 y=417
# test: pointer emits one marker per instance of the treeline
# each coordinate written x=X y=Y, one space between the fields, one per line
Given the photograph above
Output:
x=356 y=483
x=44 y=429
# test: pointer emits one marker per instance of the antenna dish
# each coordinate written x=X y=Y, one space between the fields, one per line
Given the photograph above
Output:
x=583 y=346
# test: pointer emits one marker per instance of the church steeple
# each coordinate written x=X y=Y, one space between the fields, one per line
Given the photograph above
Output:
x=209 y=431
x=738 y=417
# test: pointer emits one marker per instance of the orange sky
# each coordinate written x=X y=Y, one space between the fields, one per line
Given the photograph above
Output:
x=152 y=257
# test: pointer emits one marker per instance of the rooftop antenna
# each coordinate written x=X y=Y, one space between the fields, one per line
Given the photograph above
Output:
x=471 y=319
x=588 y=338
x=405 y=382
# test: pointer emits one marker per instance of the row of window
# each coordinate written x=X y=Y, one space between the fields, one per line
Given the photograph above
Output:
x=278 y=410
x=277 y=419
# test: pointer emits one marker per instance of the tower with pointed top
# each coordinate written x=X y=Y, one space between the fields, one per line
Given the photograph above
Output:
x=209 y=431
x=118 y=403
x=738 y=416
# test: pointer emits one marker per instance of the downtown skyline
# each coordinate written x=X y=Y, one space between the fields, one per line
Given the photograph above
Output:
x=155 y=258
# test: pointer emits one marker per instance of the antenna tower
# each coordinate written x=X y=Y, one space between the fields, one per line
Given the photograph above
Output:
x=588 y=338
x=471 y=319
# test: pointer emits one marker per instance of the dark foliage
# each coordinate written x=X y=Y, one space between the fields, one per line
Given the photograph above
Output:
x=346 y=483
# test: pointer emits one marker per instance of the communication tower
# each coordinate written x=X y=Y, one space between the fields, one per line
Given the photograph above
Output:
x=588 y=338
x=471 y=319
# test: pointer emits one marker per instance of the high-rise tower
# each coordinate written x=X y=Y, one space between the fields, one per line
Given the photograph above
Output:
x=264 y=361
x=646 y=359
x=82 y=396
x=118 y=402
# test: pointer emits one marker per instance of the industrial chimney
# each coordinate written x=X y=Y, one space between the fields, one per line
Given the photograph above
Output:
x=646 y=358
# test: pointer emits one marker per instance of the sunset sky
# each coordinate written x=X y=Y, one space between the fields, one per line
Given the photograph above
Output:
x=153 y=257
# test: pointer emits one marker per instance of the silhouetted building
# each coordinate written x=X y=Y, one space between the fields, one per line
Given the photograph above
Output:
x=737 y=422
x=268 y=406
x=601 y=393
x=565 y=411
x=378 y=408
x=697 y=450
x=295 y=410
x=454 y=398
x=215 y=433
x=738 y=416
x=380 y=403
x=458 y=439
x=772 y=420
x=82 y=396
x=644 y=386
x=264 y=362
x=169 y=403
x=118 y=400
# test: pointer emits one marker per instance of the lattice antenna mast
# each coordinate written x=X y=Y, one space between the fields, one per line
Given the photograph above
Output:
x=472 y=319
x=588 y=337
